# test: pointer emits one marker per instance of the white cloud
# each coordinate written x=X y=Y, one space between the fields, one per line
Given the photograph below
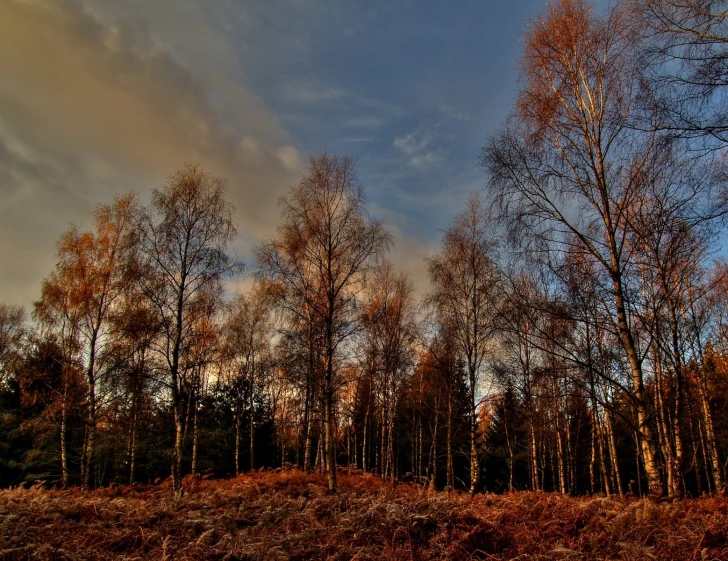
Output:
x=419 y=147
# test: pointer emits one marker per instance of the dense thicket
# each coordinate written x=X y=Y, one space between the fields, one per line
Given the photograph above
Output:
x=574 y=338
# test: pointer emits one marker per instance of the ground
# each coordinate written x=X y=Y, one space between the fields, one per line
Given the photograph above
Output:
x=289 y=515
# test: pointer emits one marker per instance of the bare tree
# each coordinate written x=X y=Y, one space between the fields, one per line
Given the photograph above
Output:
x=685 y=52
x=390 y=332
x=325 y=246
x=569 y=168
x=249 y=334
x=183 y=255
x=465 y=284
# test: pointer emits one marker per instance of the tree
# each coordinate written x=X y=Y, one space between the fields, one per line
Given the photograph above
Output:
x=91 y=275
x=569 y=167
x=685 y=50
x=135 y=327
x=390 y=331
x=248 y=332
x=183 y=259
x=12 y=333
x=465 y=292
x=324 y=248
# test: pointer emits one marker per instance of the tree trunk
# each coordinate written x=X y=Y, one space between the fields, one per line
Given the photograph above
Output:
x=330 y=445
x=560 y=460
x=609 y=425
x=308 y=403
x=252 y=436
x=88 y=449
x=644 y=432
x=193 y=468
x=238 y=423
x=606 y=476
x=710 y=433
x=433 y=447
x=449 y=459
x=64 y=421
x=474 y=461
x=177 y=453
x=133 y=438
x=364 y=448
x=509 y=444
x=533 y=452
x=593 y=456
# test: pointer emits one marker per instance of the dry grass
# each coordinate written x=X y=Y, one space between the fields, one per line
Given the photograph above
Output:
x=289 y=515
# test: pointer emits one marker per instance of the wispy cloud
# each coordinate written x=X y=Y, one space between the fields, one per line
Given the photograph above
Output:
x=364 y=122
x=309 y=93
x=419 y=147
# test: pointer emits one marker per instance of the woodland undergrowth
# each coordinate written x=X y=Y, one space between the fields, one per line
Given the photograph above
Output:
x=289 y=515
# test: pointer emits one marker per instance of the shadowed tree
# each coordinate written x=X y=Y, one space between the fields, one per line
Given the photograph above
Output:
x=247 y=350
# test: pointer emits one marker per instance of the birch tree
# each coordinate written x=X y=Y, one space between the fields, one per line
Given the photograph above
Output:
x=325 y=246
x=184 y=258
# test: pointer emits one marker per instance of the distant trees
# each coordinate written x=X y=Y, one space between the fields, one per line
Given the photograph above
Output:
x=247 y=351
x=390 y=332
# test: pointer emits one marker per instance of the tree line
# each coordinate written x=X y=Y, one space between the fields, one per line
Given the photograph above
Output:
x=573 y=338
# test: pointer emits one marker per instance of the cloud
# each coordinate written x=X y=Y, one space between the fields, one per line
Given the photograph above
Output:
x=365 y=122
x=306 y=92
x=418 y=146
x=90 y=108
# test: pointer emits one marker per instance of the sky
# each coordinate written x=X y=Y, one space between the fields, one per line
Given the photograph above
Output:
x=100 y=97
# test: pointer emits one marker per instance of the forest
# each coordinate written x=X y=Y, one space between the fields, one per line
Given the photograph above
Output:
x=573 y=339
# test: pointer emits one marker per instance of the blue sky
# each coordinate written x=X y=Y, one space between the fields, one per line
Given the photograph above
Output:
x=101 y=96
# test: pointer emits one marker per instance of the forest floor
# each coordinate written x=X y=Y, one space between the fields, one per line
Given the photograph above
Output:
x=289 y=515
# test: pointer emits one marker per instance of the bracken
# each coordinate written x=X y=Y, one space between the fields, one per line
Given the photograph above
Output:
x=290 y=515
